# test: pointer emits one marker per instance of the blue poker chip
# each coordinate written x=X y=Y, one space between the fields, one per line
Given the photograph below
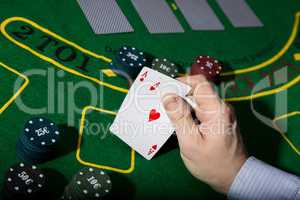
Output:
x=131 y=57
x=41 y=132
x=128 y=73
x=33 y=155
x=129 y=61
x=28 y=156
x=38 y=141
x=31 y=146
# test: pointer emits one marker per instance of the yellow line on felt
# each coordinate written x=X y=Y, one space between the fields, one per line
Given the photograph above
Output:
x=47 y=59
x=267 y=92
x=275 y=57
x=268 y=62
x=285 y=137
x=109 y=72
x=241 y=71
x=250 y=69
x=297 y=56
x=174 y=6
x=81 y=130
x=52 y=61
x=20 y=90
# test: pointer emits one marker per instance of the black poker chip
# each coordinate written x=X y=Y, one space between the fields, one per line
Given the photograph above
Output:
x=88 y=183
x=24 y=181
x=38 y=140
x=165 y=66
x=129 y=60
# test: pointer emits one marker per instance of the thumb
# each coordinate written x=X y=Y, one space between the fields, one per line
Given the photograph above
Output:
x=180 y=115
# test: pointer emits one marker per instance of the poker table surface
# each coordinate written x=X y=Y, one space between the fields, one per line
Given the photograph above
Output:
x=260 y=81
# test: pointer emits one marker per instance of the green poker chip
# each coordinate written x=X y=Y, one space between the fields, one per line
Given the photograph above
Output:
x=165 y=66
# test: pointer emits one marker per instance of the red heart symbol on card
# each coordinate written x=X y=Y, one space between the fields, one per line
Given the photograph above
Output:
x=154 y=115
x=152 y=88
x=141 y=79
x=152 y=149
x=155 y=86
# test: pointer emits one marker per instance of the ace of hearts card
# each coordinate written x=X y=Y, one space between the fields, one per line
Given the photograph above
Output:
x=141 y=121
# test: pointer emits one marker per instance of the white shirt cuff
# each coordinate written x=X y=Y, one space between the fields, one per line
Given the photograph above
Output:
x=257 y=180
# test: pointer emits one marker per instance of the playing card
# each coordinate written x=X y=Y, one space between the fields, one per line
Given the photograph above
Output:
x=199 y=15
x=239 y=13
x=157 y=16
x=105 y=17
x=142 y=122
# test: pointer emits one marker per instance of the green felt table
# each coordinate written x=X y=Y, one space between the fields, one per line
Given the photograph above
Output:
x=58 y=89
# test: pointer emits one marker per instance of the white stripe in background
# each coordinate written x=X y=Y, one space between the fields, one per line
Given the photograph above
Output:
x=105 y=16
x=199 y=15
x=157 y=16
x=239 y=13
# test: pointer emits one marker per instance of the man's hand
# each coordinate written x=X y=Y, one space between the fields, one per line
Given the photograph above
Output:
x=212 y=150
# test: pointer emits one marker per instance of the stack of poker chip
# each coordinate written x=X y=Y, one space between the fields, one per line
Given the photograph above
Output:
x=88 y=183
x=38 y=140
x=23 y=181
x=164 y=66
x=208 y=66
x=129 y=61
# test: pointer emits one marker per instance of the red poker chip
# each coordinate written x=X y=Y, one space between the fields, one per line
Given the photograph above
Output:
x=207 y=66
